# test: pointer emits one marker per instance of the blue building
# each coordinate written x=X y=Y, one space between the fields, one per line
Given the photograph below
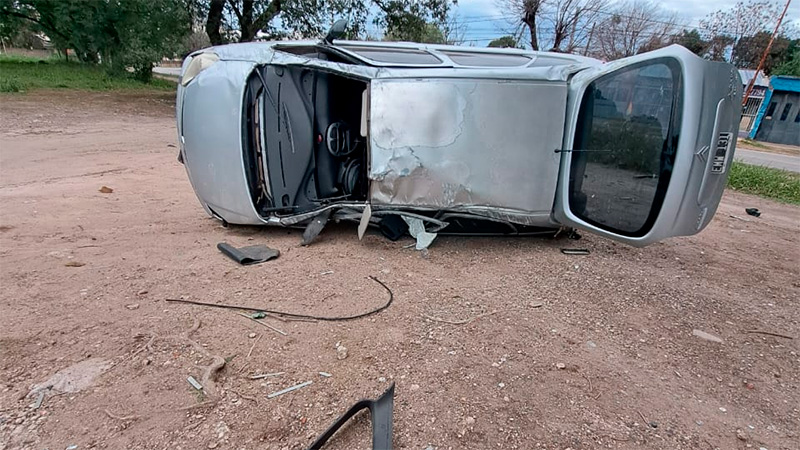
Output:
x=778 y=119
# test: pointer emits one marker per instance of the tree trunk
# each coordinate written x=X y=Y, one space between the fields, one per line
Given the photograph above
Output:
x=530 y=21
x=214 y=21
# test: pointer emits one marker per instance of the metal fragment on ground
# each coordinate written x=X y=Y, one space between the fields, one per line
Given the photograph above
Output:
x=416 y=228
x=575 y=251
x=195 y=384
x=266 y=375
x=325 y=374
x=289 y=389
x=707 y=336
x=315 y=227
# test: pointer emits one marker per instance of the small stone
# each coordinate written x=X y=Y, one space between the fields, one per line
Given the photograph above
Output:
x=561 y=366
x=740 y=435
x=506 y=399
x=591 y=344
x=341 y=352
x=213 y=445
x=251 y=335
x=723 y=409
x=707 y=336
x=414 y=387
x=501 y=385
x=382 y=379
x=132 y=306
x=469 y=420
x=142 y=292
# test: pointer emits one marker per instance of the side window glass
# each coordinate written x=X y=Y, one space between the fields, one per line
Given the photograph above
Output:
x=624 y=147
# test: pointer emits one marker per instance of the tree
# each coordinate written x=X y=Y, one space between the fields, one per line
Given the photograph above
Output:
x=505 y=42
x=635 y=26
x=741 y=20
x=748 y=51
x=121 y=34
x=556 y=25
x=792 y=64
x=693 y=41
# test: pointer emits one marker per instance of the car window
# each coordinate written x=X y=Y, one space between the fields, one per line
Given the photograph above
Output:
x=487 y=59
x=410 y=56
x=624 y=147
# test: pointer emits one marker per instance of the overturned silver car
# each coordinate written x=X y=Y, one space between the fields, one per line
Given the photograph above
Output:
x=480 y=141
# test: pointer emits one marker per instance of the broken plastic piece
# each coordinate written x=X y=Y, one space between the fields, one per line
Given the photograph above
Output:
x=393 y=227
x=194 y=383
x=246 y=256
x=575 y=251
x=314 y=228
x=289 y=389
x=753 y=212
x=364 y=223
x=381 y=413
x=416 y=228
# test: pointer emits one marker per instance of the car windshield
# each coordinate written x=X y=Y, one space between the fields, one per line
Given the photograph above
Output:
x=625 y=147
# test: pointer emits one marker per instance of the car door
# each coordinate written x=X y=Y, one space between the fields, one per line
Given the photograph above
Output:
x=648 y=145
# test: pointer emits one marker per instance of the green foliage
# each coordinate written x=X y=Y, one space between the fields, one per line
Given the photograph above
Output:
x=692 y=41
x=748 y=51
x=791 y=66
x=121 y=34
x=426 y=33
x=20 y=74
x=505 y=42
x=776 y=184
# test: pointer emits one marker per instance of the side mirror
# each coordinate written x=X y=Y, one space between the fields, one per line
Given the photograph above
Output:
x=336 y=31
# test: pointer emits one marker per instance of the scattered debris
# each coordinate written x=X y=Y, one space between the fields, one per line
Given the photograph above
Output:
x=753 y=212
x=460 y=322
x=194 y=383
x=314 y=228
x=393 y=227
x=253 y=254
x=132 y=306
x=120 y=418
x=105 y=190
x=769 y=333
x=341 y=351
x=364 y=223
x=74 y=378
x=289 y=316
x=706 y=336
x=327 y=272
x=416 y=228
x=325 y=374
x=251 y=335
x=39 y=400
x=289 y=389
x=561 y=366
x=71 y=447
x=575 y=251
x=264 y=324
x=74 y=264
x=381 y=413
x=266 y=375
x=740 y=218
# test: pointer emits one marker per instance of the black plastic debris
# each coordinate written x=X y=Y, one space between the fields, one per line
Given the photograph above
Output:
x=246 y=256
x=393 y=227
x=575 y=251
x=314 y=228
x=753 y=212
x=381 y=412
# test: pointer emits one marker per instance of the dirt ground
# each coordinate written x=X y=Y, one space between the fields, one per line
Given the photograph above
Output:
x=575 y=352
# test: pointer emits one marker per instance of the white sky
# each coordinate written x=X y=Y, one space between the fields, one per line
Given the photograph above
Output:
x=484 y=18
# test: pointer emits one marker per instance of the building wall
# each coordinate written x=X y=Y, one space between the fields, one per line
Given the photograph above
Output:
x=778 y=120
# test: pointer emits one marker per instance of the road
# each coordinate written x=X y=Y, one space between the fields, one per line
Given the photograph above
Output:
x=776 y=160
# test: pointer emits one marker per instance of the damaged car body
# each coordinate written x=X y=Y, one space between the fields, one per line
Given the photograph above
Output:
x=478 y=141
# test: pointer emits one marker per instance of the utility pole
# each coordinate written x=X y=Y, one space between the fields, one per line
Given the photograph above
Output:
x=764 y=56
x=588 y=41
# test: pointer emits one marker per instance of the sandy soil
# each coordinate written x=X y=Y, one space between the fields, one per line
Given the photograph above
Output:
x=575 y=352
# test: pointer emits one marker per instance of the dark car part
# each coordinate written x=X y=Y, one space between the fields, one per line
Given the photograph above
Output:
x=381 y=412
x=246 y=256
x=753 y=212
x=393 y=227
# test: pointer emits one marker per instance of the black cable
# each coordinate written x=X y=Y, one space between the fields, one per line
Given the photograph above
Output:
x=297 y=316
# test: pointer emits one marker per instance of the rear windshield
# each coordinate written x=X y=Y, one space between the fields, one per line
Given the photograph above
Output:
x=624 y=149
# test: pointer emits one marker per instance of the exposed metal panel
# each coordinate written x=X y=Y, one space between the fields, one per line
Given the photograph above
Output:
x=456 y=144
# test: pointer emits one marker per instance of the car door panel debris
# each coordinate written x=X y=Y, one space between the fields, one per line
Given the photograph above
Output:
x=246 y=256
